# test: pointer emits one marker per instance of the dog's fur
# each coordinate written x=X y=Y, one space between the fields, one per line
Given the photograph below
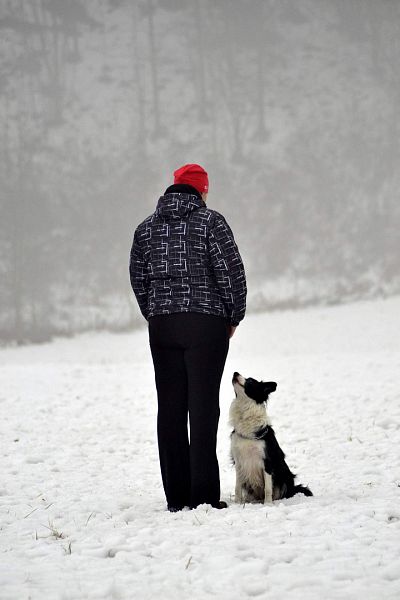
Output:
x=262 y=474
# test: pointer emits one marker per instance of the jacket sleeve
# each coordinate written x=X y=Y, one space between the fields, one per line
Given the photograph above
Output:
x=139 y=276
x=228 y=269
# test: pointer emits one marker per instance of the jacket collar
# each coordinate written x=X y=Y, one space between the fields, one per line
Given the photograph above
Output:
x=175 y=205
x=182 y=188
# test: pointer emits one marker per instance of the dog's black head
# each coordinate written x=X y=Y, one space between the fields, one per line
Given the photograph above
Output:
x=256 y=390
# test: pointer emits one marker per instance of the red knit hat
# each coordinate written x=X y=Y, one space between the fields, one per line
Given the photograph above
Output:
x=193 y=175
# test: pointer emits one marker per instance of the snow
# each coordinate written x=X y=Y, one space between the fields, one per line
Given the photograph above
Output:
x=82 y=511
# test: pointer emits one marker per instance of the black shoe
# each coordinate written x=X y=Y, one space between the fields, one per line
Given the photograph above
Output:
x=175 y=508
x=219 y=505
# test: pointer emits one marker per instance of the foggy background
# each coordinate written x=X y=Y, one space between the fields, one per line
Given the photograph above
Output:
x=292 y=106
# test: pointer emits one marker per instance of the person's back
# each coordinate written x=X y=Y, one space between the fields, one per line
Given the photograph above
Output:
x=186 y=259
x=189 y=281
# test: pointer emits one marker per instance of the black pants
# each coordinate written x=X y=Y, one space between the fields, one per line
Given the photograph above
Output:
x=189 y=352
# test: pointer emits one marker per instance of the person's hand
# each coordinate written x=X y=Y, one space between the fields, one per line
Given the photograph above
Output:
x=232 y=329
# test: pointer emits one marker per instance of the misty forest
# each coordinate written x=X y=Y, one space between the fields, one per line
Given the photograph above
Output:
x=292 y=106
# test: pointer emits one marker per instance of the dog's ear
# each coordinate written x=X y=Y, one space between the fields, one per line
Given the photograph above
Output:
x=269 y=387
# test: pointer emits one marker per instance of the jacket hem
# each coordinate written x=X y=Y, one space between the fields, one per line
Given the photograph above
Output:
x=191 y=309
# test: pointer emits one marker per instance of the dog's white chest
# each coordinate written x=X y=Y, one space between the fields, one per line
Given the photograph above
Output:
x=248 y=455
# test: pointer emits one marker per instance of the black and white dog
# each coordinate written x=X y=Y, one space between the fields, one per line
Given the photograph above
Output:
x=262 y=474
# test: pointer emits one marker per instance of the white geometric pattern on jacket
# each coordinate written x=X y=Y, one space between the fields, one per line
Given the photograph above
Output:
x=184 y=259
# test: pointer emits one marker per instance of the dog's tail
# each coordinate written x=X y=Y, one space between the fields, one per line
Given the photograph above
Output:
x=302 y=489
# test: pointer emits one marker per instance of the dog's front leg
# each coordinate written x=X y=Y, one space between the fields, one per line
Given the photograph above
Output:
x=239 y=493
x=267 y=488
x=238 y=488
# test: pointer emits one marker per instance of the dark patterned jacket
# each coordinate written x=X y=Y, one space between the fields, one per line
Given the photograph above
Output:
x=184 y=259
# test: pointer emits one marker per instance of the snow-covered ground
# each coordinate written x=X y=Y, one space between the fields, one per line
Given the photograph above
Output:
x=81 y=504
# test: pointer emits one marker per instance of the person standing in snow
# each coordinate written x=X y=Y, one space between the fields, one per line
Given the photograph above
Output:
x=189 y=281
